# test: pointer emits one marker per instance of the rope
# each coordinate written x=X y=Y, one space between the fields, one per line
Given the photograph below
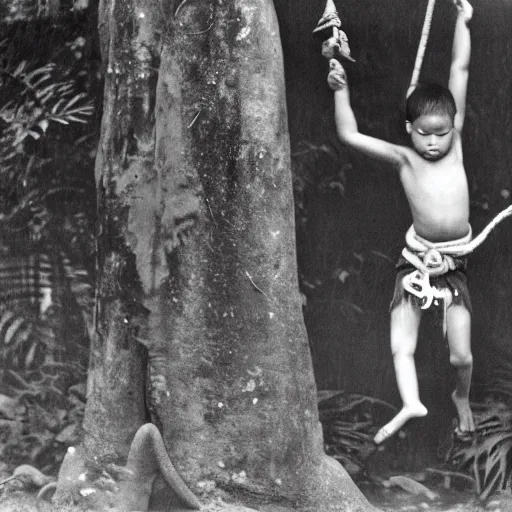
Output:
x=422 y=46
x=457 y=249
x=434 y=259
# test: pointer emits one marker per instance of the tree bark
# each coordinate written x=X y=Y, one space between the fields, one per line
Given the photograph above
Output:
x=197 y=263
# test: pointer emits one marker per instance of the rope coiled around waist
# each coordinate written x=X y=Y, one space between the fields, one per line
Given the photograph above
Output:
x=432 y=259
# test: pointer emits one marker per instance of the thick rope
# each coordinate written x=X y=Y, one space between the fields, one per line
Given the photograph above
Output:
x=435 y=259
x=422 y=46
x=461 y=248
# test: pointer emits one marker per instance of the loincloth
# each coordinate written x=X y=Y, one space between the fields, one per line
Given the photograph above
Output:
x=427 y=267
x=455 y=280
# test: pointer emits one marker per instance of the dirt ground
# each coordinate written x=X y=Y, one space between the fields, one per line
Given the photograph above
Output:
x=446 y=500
x=387 y=499
x=430 y=490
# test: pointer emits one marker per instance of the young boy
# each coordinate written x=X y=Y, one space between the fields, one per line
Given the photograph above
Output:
x=433 y=177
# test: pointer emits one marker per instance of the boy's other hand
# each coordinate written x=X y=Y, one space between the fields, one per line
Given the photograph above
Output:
x=337 y=78
x=465 y=9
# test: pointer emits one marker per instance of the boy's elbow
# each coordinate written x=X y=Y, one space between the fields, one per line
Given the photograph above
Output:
x=342 y=136
x=460 y=66
x=346 y=136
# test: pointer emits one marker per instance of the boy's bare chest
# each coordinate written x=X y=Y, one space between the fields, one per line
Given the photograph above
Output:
x=443 y=180
x=439 y=198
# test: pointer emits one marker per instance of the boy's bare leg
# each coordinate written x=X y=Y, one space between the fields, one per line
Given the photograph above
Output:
x=405 y=321
x=459 y=340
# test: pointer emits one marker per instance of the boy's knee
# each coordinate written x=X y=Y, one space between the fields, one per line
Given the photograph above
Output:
x=460 y=360
x=402 y=350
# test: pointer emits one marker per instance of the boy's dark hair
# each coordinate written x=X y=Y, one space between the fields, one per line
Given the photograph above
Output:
x=430 y=98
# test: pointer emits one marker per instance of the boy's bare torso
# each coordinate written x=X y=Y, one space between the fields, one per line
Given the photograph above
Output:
x=438 y=194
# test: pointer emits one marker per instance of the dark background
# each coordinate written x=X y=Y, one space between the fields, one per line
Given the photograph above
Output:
x=352 y=213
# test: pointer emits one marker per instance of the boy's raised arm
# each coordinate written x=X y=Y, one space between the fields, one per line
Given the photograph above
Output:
x=346 y=123
x=461 y=53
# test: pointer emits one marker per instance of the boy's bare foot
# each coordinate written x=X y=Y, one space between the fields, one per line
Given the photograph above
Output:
x=466 y=422
x=406 y=413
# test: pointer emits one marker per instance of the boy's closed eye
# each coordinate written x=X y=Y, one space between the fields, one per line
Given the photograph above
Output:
x=427 y=134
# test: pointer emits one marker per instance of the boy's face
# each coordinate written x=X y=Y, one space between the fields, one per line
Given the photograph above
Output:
x=431 y=135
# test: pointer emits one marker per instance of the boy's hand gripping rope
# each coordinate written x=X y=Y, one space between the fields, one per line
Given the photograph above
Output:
x=335 y=41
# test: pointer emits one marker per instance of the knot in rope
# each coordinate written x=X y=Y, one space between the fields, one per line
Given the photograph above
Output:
x=435 y=259
x=430 y=260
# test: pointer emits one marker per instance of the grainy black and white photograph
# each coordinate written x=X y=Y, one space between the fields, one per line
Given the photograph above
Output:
x=255 y=255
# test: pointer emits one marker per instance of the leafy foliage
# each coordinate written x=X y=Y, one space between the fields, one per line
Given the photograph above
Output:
x=489 y=457
x=340 y=277
x=318 y=174
x=26 y=10
x=42 y=414
x=32 y=98
x=47 y=205
x=309 y=164
x=41 y=100
x=42 y=213
x=500 y=384
x=348 y=427
x=46 y=306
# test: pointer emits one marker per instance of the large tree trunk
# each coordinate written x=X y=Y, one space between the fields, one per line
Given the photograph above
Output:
x=197 y=264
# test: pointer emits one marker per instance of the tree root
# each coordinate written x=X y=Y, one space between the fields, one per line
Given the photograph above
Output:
x=42 y=493
x=147 y=459
x=130 y=487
